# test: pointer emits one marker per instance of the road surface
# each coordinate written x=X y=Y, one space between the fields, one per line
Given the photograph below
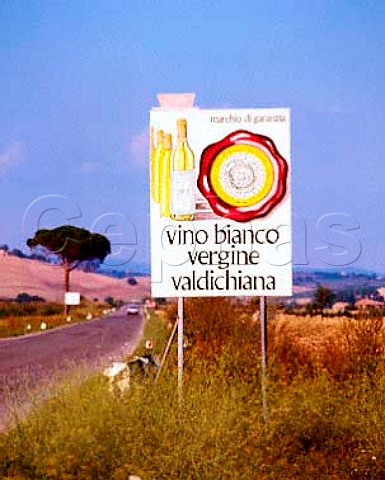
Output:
x=31 y=359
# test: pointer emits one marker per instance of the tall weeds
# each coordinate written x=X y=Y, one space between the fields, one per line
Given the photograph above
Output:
x=325 y=400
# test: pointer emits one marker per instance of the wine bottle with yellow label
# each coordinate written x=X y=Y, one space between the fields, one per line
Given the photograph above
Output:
x=182 y=177
x=155 y=167
x=165 y=183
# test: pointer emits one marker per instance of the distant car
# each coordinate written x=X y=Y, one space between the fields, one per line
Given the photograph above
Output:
x=133 y=309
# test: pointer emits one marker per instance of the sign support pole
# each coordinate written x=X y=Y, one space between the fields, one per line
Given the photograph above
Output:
x=180 y=348
x=263 y=320
x=167 y=349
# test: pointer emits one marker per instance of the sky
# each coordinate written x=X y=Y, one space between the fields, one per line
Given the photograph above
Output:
x=78 y=79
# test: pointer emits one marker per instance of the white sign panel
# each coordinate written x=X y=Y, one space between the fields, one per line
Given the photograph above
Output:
x=220 y=202
x=72 y=298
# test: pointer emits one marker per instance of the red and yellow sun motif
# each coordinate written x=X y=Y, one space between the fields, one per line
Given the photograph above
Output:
x=243 y=176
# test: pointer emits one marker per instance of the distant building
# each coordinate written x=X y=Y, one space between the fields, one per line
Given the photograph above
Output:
x=367 y=303
x=303 y=301
x=340 y=306
x=381 y=291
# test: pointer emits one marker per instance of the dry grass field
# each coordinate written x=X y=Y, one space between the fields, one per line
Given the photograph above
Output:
x=313 y=330
x=37 y=278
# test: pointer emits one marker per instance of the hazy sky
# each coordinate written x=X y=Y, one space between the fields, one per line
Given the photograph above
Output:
x=78 y=79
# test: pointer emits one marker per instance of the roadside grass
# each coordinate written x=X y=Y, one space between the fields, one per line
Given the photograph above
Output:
x=322 y=424
x=157 y=329
x=21 y=318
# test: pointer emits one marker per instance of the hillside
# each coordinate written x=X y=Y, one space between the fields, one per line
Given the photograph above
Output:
x=37 y=278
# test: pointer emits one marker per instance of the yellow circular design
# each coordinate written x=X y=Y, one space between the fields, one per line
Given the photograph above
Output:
x=246 y=162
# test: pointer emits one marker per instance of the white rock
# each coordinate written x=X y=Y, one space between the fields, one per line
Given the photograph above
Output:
x=118 y=376
x=115 y=369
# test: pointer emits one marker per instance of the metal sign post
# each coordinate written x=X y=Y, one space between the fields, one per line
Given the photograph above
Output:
x=180 y=348
x=263 y=320
x=167 y=349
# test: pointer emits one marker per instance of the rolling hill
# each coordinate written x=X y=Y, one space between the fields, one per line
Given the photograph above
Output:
x=19 y=275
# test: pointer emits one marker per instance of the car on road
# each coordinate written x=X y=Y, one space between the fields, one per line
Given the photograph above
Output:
x=133 y=309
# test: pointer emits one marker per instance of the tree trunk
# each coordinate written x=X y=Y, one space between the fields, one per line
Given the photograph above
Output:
x=66 y=285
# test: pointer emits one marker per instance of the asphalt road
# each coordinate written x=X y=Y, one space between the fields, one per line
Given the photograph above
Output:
x=32 y=359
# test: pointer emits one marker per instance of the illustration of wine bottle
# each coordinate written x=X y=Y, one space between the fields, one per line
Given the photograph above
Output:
x=165 y=184
x=182 y=177
x=155 y=167
x=152 y=152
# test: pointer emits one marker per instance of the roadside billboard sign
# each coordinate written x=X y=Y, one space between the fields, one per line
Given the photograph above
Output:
x=72 y=298
x=220 y=202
